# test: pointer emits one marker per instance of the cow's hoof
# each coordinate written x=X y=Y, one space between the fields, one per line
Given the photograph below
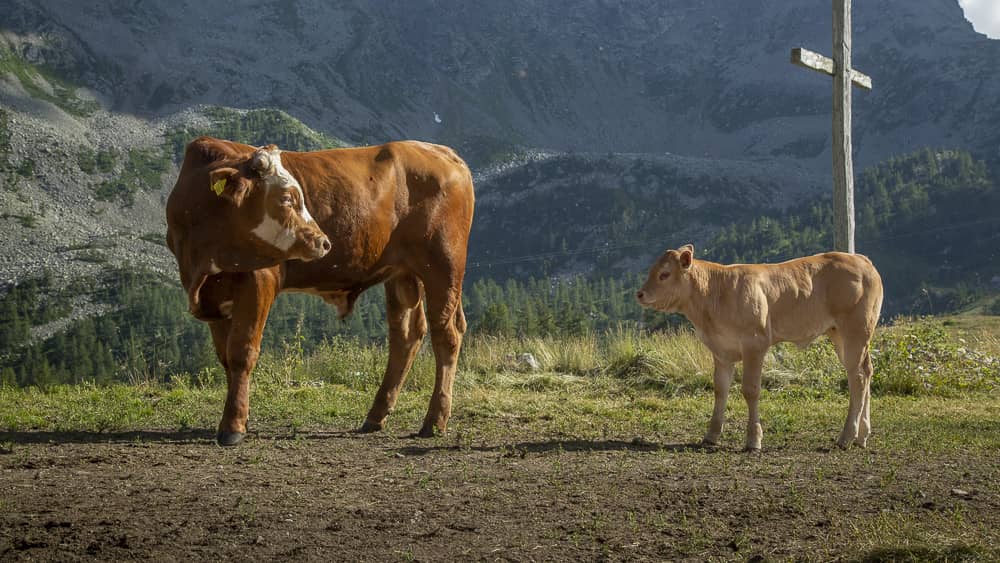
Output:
x=368 y=427
x=708 y=443
x=751 y=450
x=228 y=439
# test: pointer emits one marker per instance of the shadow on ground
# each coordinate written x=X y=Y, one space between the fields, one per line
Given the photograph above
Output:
x=47 y=437
x=208 y=436
x=523 y=448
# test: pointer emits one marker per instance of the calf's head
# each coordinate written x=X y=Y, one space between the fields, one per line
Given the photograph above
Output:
x=269 y=208
x=668 y=285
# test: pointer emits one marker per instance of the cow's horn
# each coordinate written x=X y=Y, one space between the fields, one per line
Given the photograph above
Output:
x=262 y=162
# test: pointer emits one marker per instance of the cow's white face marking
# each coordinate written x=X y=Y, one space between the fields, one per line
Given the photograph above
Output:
x=271 y=230
x=282 y=178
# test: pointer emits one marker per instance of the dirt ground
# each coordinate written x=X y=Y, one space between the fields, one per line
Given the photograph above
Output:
x=347 y=497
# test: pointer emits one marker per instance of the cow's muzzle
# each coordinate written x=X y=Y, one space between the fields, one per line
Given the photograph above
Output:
x=316 y=246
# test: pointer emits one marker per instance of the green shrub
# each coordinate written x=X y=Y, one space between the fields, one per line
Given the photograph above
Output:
x=994 y=308
x=922 y=358
x=26 y=168
x=105 y=160
x=86 y=160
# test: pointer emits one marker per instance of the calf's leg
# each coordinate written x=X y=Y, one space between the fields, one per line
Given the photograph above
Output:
x=865 y=424
x=254 y=295
x=858 y=380
x=722 y=378
x=407 y=327
x=753 y=364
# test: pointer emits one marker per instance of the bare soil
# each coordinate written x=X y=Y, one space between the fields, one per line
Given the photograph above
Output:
x=347 y=497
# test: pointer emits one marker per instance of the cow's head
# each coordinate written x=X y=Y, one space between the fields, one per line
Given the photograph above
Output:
x=269 y=207
x=668 y=285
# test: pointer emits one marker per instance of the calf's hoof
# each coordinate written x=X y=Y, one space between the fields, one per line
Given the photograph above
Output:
x=427 y=431
x=751 y=450
x=227 y=439
x=368 y=427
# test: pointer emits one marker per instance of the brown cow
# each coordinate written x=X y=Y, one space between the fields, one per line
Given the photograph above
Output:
x=740 y=310
x=247 y=223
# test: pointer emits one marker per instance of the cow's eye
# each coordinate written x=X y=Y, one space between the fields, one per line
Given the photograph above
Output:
x=286 y=200
x=664 y=275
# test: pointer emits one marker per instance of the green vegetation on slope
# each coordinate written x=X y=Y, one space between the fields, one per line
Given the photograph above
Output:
x=142 y=170
x=253 y=127
x=929 y=221
x=576 y=213
x=147 y=334
x=43 y=84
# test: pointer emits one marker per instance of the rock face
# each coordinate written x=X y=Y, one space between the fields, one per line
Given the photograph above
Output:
x=708 y=78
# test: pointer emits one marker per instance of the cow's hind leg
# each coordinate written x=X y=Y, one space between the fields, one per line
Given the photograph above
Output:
x=220 y=339
x=407 y=327
x=253 y=296
x=447 y=325
x=722 y=378
x=857 y=363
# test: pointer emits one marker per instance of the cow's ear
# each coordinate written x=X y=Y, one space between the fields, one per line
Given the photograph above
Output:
x=686 y=256
x=224 y=182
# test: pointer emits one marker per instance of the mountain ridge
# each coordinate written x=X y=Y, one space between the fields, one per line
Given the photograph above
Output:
x=706 y=79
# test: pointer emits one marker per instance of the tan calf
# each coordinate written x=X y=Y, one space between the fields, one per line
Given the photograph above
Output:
x=740 y=310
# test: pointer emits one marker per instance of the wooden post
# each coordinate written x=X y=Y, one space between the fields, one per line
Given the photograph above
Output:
x=843 y=78
x=843 y=166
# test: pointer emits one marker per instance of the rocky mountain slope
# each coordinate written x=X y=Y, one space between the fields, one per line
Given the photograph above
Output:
x=598 y=134
x=709 y=78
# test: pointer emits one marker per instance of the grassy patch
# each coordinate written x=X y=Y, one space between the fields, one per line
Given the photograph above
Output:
x=142 y=170
x=43 y=84
x=934 y=389
x=154 y=238
x=27 y=221
x=570 y=406
x=253 y=127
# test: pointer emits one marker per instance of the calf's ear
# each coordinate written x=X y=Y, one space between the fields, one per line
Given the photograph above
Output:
x=686 y=256
x=224 y=183
x=689 y=247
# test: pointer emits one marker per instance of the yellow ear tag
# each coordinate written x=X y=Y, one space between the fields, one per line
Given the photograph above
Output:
x=218 y=186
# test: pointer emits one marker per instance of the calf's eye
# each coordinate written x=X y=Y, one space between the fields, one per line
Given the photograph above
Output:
x=286 y=200
x=664 y=275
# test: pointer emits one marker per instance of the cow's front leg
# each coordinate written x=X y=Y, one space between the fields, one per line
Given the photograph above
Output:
x=253 y=297
x=753 y=364
x=722 y=378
